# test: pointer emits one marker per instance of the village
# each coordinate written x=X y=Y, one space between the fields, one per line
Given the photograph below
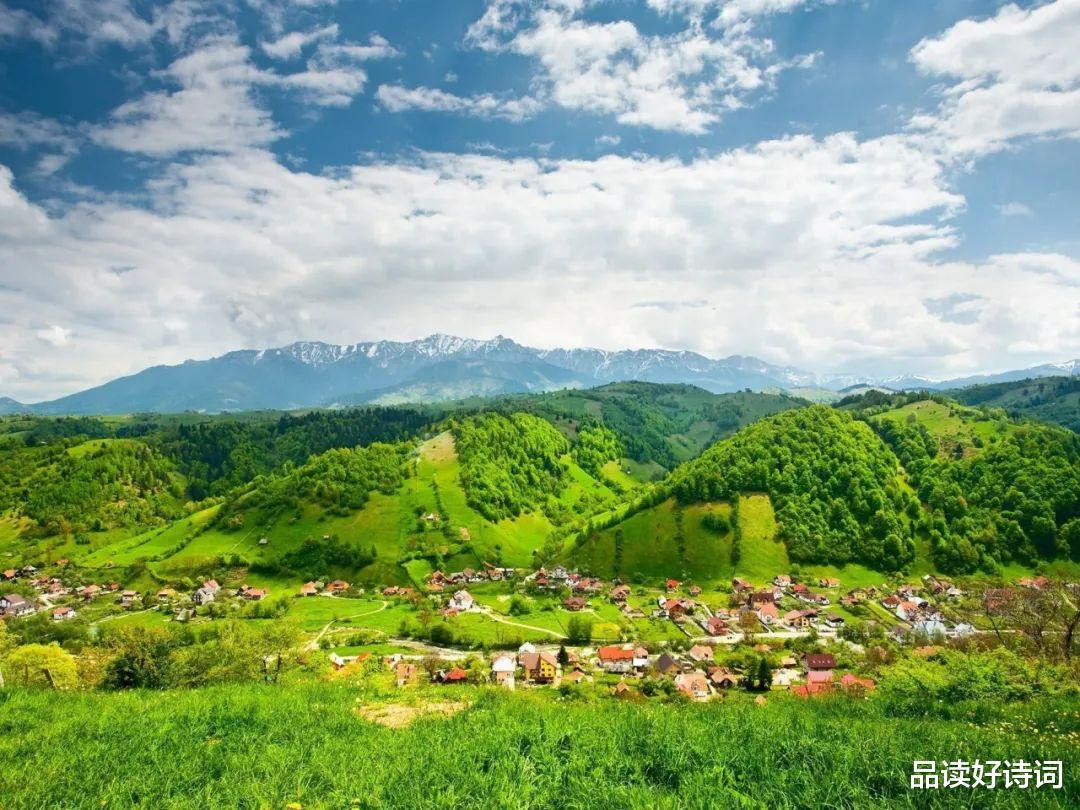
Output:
x=781 y=635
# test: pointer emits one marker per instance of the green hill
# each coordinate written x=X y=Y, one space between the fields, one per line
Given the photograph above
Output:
x=1049 y=399
x=836 y=487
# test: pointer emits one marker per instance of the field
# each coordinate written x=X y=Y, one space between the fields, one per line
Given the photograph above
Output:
x=954 y=426
x=259 y=746
x=761 y=555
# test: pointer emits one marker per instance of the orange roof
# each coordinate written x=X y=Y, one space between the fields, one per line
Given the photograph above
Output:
x=614 y=654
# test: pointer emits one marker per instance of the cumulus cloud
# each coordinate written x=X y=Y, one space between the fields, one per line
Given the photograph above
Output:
x=714 y=254
x=290 y=45
x=396 y=98
x=683 y=81
x=1014 y=75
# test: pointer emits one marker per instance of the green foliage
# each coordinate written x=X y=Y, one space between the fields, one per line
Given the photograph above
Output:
x=832 y=482
x=40 y=665
x=114 y=483
x=509 y=464
x=579 y=629
x=316 y=558
x=1049 y=399
x=236 y=746
x=596 y=445
x=1010 y=501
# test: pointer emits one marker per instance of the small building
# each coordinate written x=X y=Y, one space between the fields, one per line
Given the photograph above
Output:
x=574 y=603
x=462 y=601
x=453 y=675
x=337 y=586
x=166 y=595
x=700 y=652
x=203 y=596
x=715 y=626
x=619 y=594
x=667 y=664
x=820 y=661
x=541 y=667
x=616 y=659
x=672 y=585
x=502 y=671
x=722 y=678
x=693 y=684
x=308 y=589
x=406 y=674
x=16 y=604
x=768 y=614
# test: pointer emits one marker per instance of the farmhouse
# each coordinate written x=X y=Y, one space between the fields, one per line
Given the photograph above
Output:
x=539 y=667
x=203 y=596
x=461 y=601
x=700 y=652
x=693 y=684
x=309 y=589
x=722 y=678
x=15 y=604
x=820 y=662
x=767 y=614
x=502 y=671
x=715 y=626
x=615 y=659
x=337 y=586
x=619 y=594
x=574 y=603
x=63 y=613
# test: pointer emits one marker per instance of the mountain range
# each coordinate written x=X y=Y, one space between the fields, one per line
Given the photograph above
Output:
x=443 y=367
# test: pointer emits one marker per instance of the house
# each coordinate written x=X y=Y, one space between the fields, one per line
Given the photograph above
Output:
x=667 y=664
x=722 y=678
x=337 y=586
x=619 y=594
x=782 y=581
x=853 y=682
x=308 y=589
x=127 y=598
x=834 y=621
x=353 y=662
x=525 y=648
x=811 y=690
x=574 y=603
x=674 y=608
x=539 y=667
x=799 y=619
x=89 y=592
x=693 y=684
x=759 y=598
x=10 y=574
x=577 y=676
x=739 y=585
x=800 y=590
x=829 y=582
x=203 y=596
x=672 y=585
x=931 y=627
x=623 y=690
x=166 y=595
x=767 y=614
x=16 y=604
x=616 y=659
x=695 y=590
x=963 y=630
x=907 y=610
x=453 y=675
x=212 y=586
x=819 y=676
x=715 y=626
x=406 y=674
x=820 y=661
x=462 y=600
x=253 y=594
x=701 y=652
x=502 y=671
x=641 y=659
x=1038 y=583
x=28 y=571
x=816 y=598
x=785 y=676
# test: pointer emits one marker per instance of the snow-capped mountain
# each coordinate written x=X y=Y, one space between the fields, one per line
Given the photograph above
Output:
x=311 y=373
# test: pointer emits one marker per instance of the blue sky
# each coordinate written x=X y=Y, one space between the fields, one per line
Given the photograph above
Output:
x=865 y=187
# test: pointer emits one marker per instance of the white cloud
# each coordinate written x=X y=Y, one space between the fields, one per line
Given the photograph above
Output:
x=683 y=81
x=396 y=98
x=1015 y=209
x=1016 y=74
x=56 y=336
x=239 y=250
x=29 y=130
x=92 y=23
x=608 y=140
x=290 y=46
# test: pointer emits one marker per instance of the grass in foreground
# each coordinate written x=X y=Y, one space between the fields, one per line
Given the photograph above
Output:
x=252 y=746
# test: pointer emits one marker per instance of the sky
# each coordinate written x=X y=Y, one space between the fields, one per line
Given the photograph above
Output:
x=867 y=187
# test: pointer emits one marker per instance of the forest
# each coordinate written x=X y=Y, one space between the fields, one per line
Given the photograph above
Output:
x=834 y=484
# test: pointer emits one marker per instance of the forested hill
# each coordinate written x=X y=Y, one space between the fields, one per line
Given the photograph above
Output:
x=1049 y=399
x=656 y=423
x=836 y=487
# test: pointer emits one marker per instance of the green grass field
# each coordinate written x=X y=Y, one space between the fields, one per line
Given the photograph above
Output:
x=257 y=746
x=952 y=425
x=761 y=555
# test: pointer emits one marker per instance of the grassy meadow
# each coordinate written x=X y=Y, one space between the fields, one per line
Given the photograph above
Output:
x=258 y=746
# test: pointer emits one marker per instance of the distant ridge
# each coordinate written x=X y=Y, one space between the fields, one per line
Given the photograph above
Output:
x=309 y=374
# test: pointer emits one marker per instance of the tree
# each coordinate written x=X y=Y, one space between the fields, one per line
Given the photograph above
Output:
x=764 y=674
x=563 y=656
x=141 y=658
x=7 y=644
x=42 y=665
x=579 y=630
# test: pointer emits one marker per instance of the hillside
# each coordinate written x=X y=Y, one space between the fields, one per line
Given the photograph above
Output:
x=659 y=425
x=836 y=487
x=994 y=490
x=1050 y=399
